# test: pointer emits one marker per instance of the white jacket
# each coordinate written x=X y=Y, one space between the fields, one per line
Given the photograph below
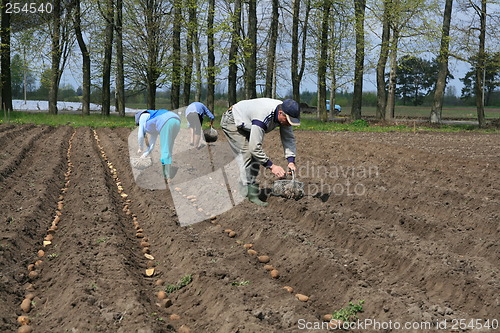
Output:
x=258 y=116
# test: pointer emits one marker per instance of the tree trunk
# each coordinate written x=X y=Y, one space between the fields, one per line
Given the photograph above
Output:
x=151 y=93
x=357 y=98
x=382 y=61
x=437 y=106
x=85 y=59
x=176 y=56
x=391 y=98
x=295 y=51
x=191 y=35
x=6 y=98
x=55 y=57
x=480 y=67
x=304 y=46
x=297 y=72
x=199 y=79
x=152 y=67
x=120 y=74
x=108 y=53
x=233 y=53
x=334 y=52
x=211 y=56
x=251 y=52
x=322 y=62
x=271 y=53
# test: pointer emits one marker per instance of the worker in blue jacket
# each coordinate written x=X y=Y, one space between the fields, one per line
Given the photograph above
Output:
x=165 y=123
x=194 y=115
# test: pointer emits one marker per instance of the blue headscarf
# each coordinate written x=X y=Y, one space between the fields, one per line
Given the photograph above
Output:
x=138 y=115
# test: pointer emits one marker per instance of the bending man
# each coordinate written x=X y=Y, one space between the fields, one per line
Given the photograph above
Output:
x=245 y=124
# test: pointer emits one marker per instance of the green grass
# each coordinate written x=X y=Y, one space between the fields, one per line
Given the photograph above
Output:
x=75 y=120
x=449 y=112
x=309 y=122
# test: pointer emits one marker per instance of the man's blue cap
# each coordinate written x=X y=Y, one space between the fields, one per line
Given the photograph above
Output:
x=292 y=111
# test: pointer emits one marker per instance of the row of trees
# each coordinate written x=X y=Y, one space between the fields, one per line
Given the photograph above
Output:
x=191 y=45
x=416 y=80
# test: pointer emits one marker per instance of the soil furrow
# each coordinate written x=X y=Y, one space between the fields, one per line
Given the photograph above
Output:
x=9 y=132
x=6 y=127
x=14 y=156
x=96 y=254
x=28 y=201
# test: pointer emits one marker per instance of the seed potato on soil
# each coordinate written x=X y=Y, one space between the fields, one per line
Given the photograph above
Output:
x=384 y=220
x=161 y=295
x=23 y=320
x=26 y=305
x=264 y=259
x=25 y=329
x=302 y=298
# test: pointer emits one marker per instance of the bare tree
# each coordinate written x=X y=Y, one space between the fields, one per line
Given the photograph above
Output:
x=197 y=59
x=251 y=52
x=147 y=42
x=323 y=60
x=5 y=76
x=108 y=53
x=61 y=43
x=359 y=12
x=444 y=51
x=233 y=53
x=120 y=71
x=176 y=56
x=393 y=59
x=382 y=60
x=481 y=62
x=296 y=72
x=56 y=57
x=406 y=19
x=85 y=57
x=191 y=35
x=340 y=24
x=211 y=55
x=271 y=51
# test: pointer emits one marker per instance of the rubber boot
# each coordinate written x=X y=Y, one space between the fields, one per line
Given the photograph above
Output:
x=166 y=171
x=253 y=195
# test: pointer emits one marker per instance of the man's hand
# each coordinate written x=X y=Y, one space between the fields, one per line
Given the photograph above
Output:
x=277 y=171
x=292 y=167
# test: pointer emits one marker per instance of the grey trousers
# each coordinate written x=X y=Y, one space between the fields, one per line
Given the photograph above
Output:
x=238 y=141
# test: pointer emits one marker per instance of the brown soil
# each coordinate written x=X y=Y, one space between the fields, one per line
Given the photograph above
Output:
x=409 y=223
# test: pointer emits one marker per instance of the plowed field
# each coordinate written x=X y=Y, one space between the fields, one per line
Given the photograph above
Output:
x=409 y=223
